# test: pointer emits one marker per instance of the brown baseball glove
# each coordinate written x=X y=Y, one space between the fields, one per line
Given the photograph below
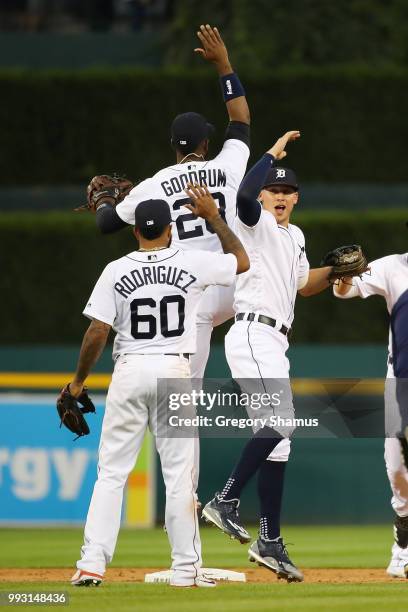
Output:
x=105 y=186
x=346 y=261
x=71 y=414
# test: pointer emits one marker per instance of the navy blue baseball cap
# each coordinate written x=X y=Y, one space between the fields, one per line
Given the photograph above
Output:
x=188 y=130
x=281 y=176
x=152 y=214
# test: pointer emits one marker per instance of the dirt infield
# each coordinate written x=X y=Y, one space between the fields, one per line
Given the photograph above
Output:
x=259 y=575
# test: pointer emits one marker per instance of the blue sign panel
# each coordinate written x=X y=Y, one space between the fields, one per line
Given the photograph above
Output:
x=44 y=475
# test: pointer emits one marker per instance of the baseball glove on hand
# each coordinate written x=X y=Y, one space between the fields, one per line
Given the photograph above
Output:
x=345 y=261
x=106 y=186
x=71 y=414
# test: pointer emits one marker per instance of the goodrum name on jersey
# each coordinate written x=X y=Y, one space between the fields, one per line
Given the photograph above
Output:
x=153 y=275
x=212 y=177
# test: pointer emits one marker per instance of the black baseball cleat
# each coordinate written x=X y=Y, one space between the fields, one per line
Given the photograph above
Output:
x=273 y=555
x=224 y=515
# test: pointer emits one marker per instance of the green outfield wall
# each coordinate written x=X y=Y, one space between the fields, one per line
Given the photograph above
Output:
x=66 y=126
x=50 y=263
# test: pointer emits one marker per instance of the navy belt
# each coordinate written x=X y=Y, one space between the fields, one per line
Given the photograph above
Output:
x=185 y=355
x=241 y=316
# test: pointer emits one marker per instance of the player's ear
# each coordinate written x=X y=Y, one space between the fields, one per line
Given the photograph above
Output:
x=136 y=234
x=296 y=197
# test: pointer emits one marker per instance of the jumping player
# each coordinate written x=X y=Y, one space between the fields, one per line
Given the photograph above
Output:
x=388 y=276
x=190 y=135
x=150 y=299
x=256 y=346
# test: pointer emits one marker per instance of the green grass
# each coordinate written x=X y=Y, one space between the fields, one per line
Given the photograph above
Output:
x=345 y=546
x=231 y=598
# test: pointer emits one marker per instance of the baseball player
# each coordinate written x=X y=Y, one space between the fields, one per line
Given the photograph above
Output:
x=190 y=135
x=150 y=299
x=256 y=347
x=388 y=276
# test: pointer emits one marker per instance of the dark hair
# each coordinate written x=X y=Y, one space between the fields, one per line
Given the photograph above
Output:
x=151 y=233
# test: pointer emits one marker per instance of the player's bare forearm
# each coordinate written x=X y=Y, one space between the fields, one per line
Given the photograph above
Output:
x=317 y=281
x=92 y=346
x=238 y=110
x=230 y=243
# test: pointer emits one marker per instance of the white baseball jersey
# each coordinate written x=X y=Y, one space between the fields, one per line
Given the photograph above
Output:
x=279 y=267
x=222 y=175
x=150 y=298
x=388 y=276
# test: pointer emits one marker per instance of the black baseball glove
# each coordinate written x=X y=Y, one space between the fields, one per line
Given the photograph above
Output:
x=106 y=186
x=71 y=414
x=346 y=261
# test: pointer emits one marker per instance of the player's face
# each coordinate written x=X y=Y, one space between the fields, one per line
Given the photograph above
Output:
x=279 y=200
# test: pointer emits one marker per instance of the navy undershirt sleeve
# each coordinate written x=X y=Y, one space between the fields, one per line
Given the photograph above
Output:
x=108 y=220
x=238 y=131
x=248 y=207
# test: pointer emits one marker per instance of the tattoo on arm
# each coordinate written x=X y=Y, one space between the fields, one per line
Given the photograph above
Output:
x=229 y=241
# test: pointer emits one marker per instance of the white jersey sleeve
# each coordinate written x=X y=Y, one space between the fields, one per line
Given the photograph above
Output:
x=304 y=266
x=215 y=268
x=234 y=155
x=140 y=193
x=102 y=303
x=373 y=282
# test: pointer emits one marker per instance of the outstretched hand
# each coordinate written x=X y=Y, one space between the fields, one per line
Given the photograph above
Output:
x=213 y=49
x=202 y=203
x=278 y=149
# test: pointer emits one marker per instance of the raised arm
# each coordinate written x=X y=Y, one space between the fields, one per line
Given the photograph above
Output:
x=214 y=50
x=248 y=206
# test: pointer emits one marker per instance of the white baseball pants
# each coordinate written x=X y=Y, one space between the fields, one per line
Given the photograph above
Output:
x=215 y=307
x=397 y=471
x=130 y=409
x=254 y=351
